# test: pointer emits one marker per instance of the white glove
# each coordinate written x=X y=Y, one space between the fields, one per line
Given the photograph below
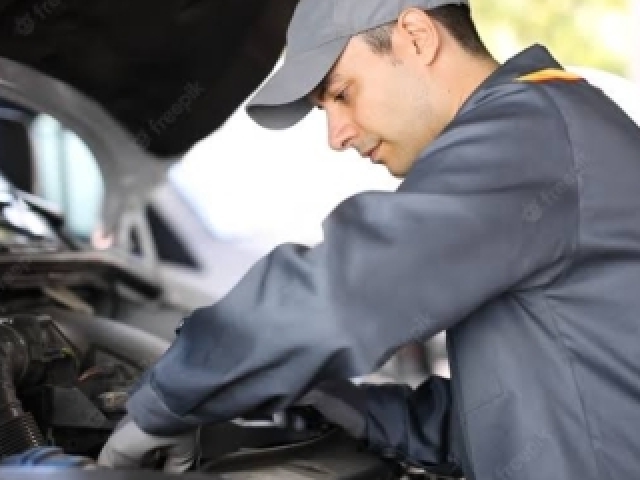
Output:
x=129 y=445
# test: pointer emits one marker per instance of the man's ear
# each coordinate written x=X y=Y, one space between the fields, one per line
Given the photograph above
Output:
x=421 y=32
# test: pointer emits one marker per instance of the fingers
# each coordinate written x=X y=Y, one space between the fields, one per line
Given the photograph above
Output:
x=182 y=454
x=179 y=463
x=125 y=448
x=111 y=457
x=129 y=445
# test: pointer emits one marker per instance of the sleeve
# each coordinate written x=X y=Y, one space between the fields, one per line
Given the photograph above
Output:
x=490 y=206
x=412 y=426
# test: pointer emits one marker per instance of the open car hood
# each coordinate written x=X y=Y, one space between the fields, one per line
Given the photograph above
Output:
x=170 y=72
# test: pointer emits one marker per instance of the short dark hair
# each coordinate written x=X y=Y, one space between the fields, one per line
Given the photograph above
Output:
x=455 y=18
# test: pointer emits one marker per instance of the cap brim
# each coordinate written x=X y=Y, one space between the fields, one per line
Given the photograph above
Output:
x=282 y=101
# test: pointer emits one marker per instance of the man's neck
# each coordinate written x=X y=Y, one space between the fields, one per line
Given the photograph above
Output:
x=454 y=77
x=467 y=75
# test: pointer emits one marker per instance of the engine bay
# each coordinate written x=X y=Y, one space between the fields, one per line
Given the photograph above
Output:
x=65 y=378
x=56 y=391
x=78 y=329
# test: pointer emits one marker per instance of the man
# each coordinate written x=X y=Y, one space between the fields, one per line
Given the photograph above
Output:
x=516 y=229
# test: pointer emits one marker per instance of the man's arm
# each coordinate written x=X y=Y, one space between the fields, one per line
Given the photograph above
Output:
x=413 y=426
x=464 y=227
x=393 y=420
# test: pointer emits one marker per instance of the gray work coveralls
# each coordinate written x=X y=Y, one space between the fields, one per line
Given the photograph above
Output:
x=518 y=232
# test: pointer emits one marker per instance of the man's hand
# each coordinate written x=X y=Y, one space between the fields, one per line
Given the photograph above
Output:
x=341 y=403
x=128 y=446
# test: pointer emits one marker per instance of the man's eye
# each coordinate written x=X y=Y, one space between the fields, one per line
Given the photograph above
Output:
x=341 y=96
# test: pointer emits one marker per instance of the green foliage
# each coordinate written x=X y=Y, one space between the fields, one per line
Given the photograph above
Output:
x=574 y=30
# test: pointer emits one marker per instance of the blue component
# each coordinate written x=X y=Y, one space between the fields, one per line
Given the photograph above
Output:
x=45 y=457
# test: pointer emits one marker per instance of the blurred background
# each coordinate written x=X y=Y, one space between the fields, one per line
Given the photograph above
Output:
x=252 y=189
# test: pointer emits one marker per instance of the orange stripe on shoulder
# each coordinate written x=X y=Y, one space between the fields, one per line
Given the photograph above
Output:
x=550 y=75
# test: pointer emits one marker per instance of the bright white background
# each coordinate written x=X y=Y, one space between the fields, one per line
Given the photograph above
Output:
x=274 y=185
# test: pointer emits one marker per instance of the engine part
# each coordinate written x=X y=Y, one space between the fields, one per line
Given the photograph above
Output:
x=113 y=402
x=334 y=455
x=18 y=430
x=74 y=409
x=17 y=473
x=47 y=457
x=85 y=332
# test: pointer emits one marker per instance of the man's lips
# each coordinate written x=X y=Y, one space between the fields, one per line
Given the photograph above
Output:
x=373 y=154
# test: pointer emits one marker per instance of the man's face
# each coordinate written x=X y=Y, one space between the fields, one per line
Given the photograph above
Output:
x=381 y=105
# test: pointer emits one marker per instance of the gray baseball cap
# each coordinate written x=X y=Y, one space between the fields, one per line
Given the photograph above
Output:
x=319 y=32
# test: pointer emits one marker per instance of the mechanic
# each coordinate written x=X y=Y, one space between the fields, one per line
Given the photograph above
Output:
x=516 y=230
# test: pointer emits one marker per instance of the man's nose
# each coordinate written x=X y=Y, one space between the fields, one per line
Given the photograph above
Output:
x=341 y=131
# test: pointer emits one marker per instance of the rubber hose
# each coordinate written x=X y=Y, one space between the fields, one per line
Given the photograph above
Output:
x=18 y=429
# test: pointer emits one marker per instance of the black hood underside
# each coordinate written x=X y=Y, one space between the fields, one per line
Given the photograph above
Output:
x=169 y=71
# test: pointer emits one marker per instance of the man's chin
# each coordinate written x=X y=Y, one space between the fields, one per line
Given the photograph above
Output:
x=396 y=170
x=399 y=174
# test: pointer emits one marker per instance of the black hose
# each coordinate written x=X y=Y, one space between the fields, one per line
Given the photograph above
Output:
x=18 y=429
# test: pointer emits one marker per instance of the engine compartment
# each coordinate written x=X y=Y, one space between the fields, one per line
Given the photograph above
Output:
x=78 y=329
x=58 y=392
x=65 y=381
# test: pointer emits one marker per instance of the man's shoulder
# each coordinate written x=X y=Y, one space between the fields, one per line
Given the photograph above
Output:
x=505 y=133
x=519 y=98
